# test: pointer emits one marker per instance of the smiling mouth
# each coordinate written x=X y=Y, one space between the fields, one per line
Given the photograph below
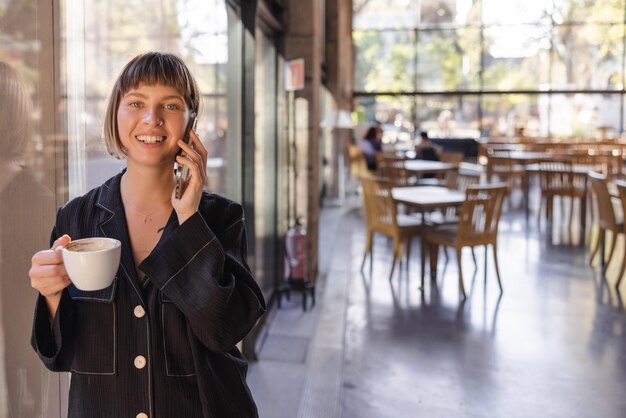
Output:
x=149 y=139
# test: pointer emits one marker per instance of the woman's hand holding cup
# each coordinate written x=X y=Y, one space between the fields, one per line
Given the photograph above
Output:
x=48 y=274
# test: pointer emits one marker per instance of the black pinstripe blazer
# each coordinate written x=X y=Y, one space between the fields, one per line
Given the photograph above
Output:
x=198 y=299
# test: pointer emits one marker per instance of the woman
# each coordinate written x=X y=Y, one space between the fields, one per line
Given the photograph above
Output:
x=371 y=144
x=160 y=341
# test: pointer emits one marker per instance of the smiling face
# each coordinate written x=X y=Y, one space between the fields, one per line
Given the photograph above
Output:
x=150 y=120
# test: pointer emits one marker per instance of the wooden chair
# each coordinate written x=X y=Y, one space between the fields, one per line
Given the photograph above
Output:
x=502 y=168
x=452 y=157
x=606 y=219
x=399 y=176
x=621 y=188
x=357 y=167
x=557 y=179
x=381 y=216
x=478 y=225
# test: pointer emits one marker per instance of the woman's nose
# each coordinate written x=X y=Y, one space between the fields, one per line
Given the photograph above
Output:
x=153 y=117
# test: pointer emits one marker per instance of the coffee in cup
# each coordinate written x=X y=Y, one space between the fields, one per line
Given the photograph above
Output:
x=92 y=263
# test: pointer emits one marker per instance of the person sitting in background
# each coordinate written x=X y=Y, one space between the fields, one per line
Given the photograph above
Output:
x=370 y=144
x=426 y=149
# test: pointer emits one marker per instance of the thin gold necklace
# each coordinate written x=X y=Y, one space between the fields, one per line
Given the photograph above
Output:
x=146 y=216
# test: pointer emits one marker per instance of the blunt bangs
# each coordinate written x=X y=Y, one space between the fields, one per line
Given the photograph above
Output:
x=149 y=68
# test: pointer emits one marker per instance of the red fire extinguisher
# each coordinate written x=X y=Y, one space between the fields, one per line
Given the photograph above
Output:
x=295 y=251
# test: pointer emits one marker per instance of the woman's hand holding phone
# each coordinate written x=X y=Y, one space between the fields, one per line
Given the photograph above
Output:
x=195 y=159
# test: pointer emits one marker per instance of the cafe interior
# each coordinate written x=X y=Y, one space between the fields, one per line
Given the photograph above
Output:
x=435 y=191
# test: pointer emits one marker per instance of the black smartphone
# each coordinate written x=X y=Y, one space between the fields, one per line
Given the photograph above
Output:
x=181 y=172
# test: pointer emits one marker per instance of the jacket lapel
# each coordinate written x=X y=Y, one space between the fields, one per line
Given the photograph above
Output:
x=113 y=225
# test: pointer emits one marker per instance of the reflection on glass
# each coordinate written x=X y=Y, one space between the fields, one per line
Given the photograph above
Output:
x=385 y=61
x=25 y=207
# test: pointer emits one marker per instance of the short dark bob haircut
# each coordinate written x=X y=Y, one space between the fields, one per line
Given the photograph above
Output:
x=149 y=68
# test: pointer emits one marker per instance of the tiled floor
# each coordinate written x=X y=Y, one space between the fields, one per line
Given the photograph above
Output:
x=553 y=345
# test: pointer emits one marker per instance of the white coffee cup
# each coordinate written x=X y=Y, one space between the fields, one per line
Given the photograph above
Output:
x=92 y=263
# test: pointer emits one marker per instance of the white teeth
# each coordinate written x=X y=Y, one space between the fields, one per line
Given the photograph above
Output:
x=150 y=139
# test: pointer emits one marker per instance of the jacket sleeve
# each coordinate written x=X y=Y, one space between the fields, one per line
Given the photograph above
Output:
x=207 y=277
x=51 y=342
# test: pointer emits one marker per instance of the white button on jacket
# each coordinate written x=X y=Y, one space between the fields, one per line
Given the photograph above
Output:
x=140 y=362
x=139 y=311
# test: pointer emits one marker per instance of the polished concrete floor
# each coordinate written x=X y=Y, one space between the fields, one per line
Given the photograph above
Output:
x=552 y=345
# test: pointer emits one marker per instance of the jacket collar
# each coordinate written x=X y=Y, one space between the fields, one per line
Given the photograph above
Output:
x=113 y=225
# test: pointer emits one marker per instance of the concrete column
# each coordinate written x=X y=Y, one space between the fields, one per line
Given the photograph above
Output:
x=303 y=35
x=340 y=74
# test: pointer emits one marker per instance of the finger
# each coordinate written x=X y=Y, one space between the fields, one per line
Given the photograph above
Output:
x=199 y=147
x=48 y=257
x=46 y=282
x=190 y=152
x=61 y=241
x=189 y=160
x=186 y=147
x=55 y=289
x=202 y=153
x=48 y=270
x=191 y=165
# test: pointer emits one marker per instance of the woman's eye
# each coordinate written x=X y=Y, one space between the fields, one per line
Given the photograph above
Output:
x=134 y=104
x=171 y=106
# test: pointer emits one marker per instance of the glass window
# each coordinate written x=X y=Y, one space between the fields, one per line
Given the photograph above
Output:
x=508 y=115
x=265 y=162
x=583 y=115
x=395 y=114
x=498 y=12
x=449 y=116
x=587 y=56
x=384 y=14
x=28 y=198
x=447 y=13
x=587 y=11
x=516 y=57
x=448 y=59
x=385 y=60
x=518 y=46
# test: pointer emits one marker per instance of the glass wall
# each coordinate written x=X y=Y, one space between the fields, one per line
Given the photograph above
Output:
x=30 y=145
x=265 y=162
x=493 y=68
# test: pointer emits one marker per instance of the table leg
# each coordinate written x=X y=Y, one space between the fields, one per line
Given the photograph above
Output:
x=583 y=213
x=423 y=248
x=526 y=200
